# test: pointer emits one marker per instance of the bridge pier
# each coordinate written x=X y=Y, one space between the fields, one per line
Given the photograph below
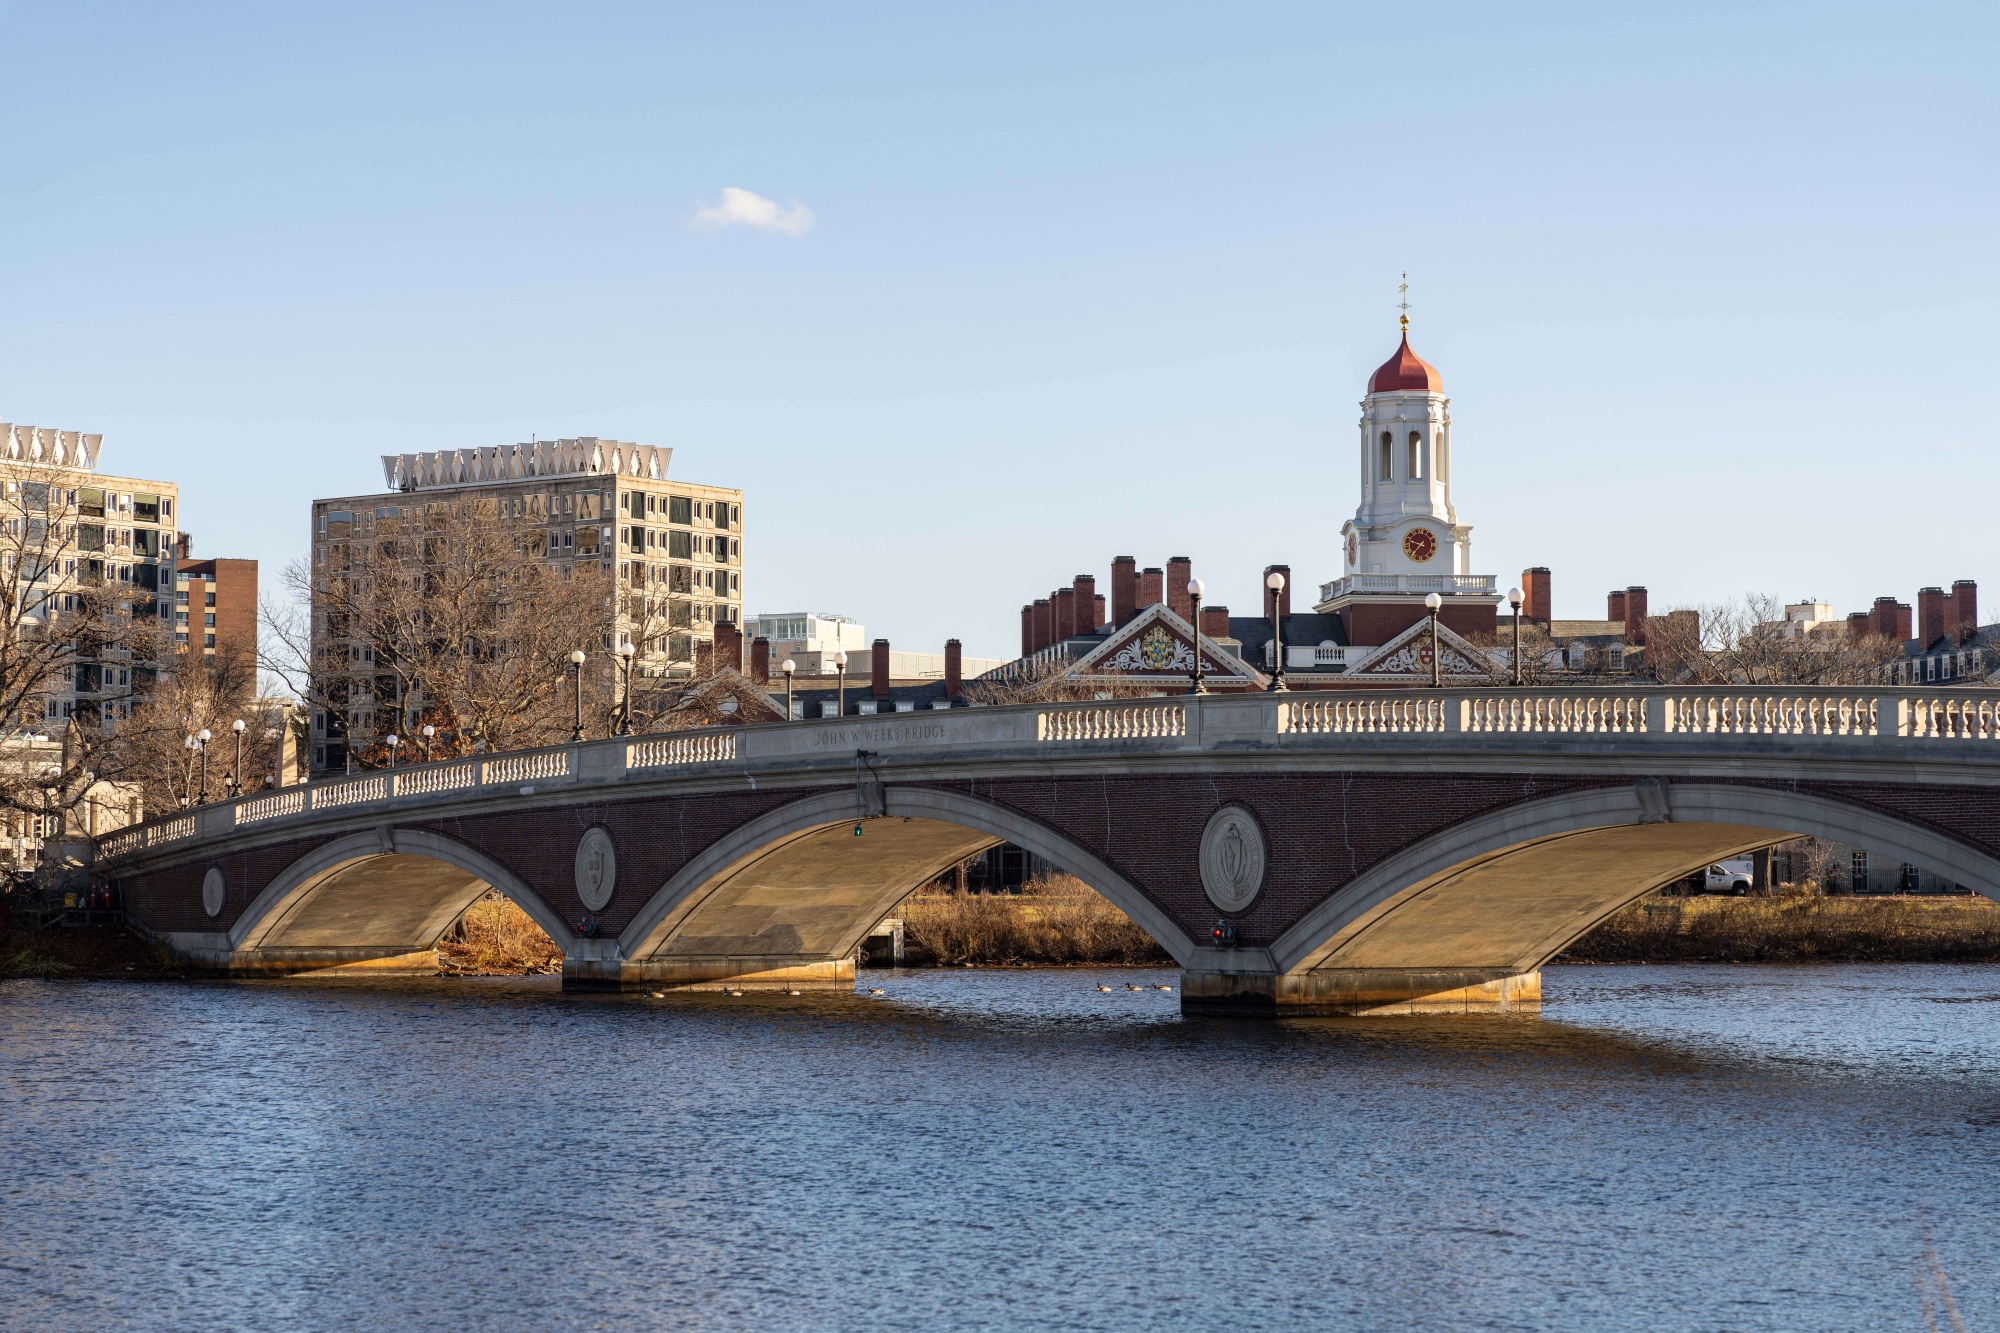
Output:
x=686 y=973
x=1352 y=991
x=212 y=951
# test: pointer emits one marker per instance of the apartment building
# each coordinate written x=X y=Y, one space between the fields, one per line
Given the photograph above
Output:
x=98 y=528
x=676 y=546
x=215 y=605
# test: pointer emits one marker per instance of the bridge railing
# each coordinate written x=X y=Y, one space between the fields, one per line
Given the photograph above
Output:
x=1639 y=716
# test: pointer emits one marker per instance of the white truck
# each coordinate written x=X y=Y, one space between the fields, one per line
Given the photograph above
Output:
x=1736 y=877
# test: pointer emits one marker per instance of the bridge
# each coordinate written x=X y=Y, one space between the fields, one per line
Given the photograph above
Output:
x=1329 y=852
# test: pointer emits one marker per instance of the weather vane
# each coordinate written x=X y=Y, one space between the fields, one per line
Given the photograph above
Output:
x=1405 y=290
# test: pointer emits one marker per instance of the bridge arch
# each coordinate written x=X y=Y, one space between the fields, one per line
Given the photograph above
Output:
x=796 y=879
x=1510 y=890
x=382 y=889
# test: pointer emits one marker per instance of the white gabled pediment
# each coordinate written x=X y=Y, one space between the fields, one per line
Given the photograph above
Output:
x=1408 y=657
x=1159 y=643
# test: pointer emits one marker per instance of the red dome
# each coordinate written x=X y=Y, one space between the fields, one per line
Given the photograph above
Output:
x=1405 y=372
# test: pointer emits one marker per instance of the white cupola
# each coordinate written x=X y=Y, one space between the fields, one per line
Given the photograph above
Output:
x=1405 y=523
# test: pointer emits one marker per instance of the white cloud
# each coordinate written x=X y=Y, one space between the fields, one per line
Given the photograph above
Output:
x=1959 y=446
x=744 y=208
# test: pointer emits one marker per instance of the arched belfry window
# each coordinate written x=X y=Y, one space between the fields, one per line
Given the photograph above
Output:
x=1388 y=456
x=1416 y=454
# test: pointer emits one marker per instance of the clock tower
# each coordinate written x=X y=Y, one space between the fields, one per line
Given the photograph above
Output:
x=1405 y=541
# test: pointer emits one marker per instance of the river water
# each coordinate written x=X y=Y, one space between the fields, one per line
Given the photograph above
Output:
x=1664 y=1148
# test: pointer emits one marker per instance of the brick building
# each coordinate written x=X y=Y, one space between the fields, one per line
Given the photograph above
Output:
x=216 y=606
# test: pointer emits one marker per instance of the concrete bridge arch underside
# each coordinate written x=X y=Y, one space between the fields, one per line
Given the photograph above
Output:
x=1384 y=890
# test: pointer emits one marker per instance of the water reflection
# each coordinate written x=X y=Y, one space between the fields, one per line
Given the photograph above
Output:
x=1664 y=1148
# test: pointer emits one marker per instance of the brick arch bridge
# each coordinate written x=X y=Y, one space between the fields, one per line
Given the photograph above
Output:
x=1419 y=850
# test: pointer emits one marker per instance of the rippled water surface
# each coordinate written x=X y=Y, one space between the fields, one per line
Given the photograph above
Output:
x=1665 y=1148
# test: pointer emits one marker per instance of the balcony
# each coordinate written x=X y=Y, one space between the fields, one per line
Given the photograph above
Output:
x=1412 y=585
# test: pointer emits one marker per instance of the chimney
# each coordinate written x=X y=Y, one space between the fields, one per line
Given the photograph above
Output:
x=184 y=546
x=1859 y=625
x=954 y=679
x=1124 y=588
x=1085 y=587
x=1045 y=624
x=1064 y=601
x=1180 y=570
x=1097 y=607
x=1151 y=588
x=1635 y=617
x=1882 y=619
x=1284 y=597
x=879 y=670
x=1965 y=608
x=1215 y=621
x=1539 y=602
x=1614 y=606
x=1930 y=616
x=1027 y=629
x=1904 y=629
x=760 y=660
x=728 y=647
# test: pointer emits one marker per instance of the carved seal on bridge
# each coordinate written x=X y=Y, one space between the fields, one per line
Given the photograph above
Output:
x=1232 y=858
x=212 y=895
x=596 y=869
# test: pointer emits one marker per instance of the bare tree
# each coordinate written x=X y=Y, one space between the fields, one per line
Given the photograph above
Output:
x=449 y=612
x=1749 y=642
x=1048 y=680
x=200 y=694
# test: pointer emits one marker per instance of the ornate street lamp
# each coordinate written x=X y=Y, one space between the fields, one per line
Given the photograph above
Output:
x=1195 y=590
x=392 y=740
x=203 y=737
x=236 y=776
x=192 y=746
x=1514 y=599
x=1431 y=604
x=628 y=652
x=429 y=731
x=576 y=688
x=1276 y=583
x=840 y=666
x=788 y=666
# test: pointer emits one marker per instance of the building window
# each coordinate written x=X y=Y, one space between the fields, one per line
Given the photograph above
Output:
x=1388 y=456
x=1857 y=872
x=680 y=509
x=1416 y=455
x=209 y=599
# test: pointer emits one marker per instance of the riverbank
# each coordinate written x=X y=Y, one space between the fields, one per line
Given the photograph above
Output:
x=1796 y=928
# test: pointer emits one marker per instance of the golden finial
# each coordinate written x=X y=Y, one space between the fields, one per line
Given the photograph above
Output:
x=1405 y=290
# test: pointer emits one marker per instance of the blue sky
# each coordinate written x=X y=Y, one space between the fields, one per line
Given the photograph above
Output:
x=1713 y=288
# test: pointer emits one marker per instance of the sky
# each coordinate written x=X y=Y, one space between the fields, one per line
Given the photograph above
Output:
x=970 y=299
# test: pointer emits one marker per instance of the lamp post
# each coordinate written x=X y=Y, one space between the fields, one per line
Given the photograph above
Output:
x=192 y=746
x=236 y=775
x=204 y=765
x=840 y=666
x=1276 y=583
x=1514 y=599
x=392 y=740
x=576 y=688
x=788 y=666
x=429 y=731
x=1195 y=590
x=1431 y=604
x=628 y=652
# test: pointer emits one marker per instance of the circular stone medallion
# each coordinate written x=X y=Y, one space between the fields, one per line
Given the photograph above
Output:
x=1232 y=858
x=596 y=869
x=212 y=895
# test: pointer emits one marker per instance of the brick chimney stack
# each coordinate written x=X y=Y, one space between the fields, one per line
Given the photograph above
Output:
x=728 y=647
x=1904 y=628
x=1064 y=601
x=1635 y=617
x=1859 y=624
x=878 y=678
x=1124 y=588
x=1284 y=597
x=1097 y=607
x=1215 y=621
x=1180 y=571
x=1085 y=587
x=954 y=670
x=1152 y=587
x=1930 y=616
x=1045 y=627
x=1540 y=601
x=1965 y=608
x=1027 y=629
x=1614 y=605
x=760 y=660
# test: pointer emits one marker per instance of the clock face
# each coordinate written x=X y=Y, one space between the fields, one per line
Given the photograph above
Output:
x=1353 y=550
x=1420 y=544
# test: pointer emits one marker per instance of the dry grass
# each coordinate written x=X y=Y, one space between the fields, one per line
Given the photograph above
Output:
x=496 y=938
x=1055 y=919
x=1797 y=927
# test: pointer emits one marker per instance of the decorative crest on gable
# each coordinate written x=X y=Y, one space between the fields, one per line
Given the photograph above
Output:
x=1408 y=656
x=1159 y=643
